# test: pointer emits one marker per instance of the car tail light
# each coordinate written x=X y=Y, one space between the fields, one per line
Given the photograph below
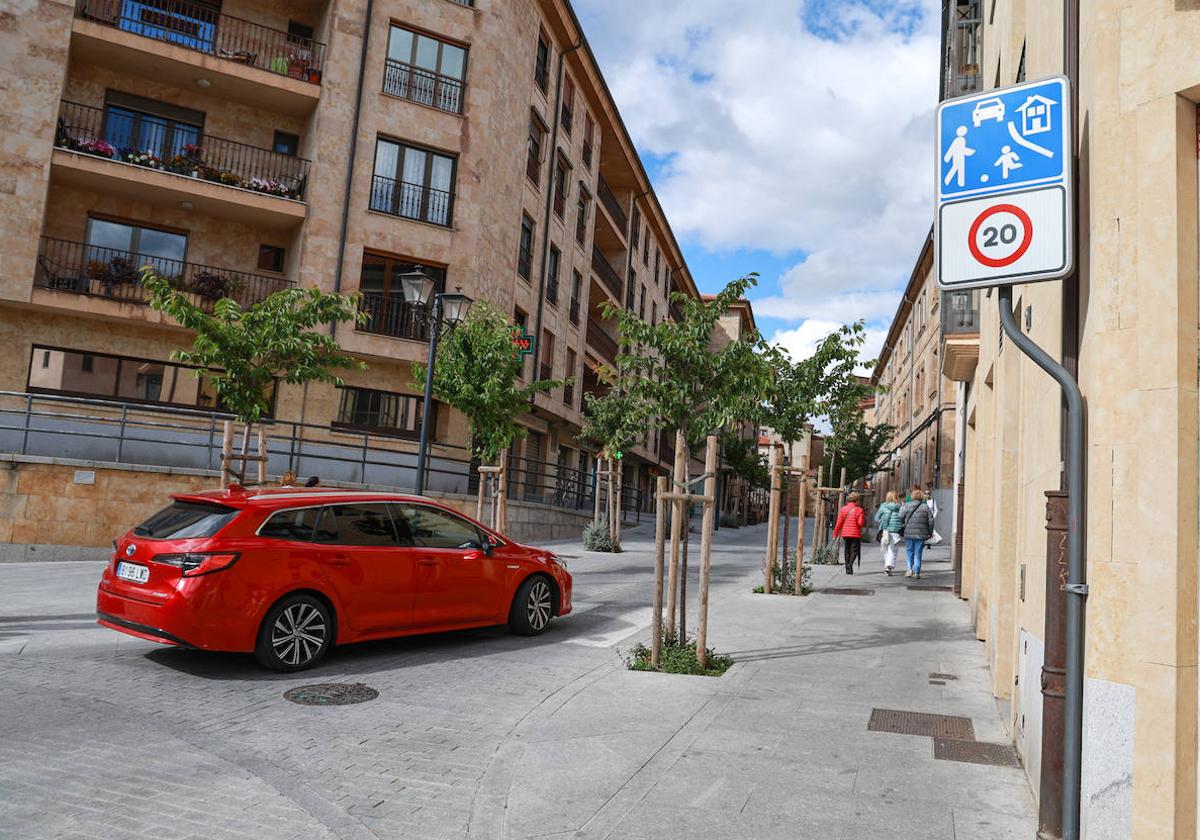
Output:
x=194 y=564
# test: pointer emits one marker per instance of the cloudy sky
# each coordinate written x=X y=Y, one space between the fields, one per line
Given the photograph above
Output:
x=787 y=137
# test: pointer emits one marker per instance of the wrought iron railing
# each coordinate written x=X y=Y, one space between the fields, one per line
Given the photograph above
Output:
x=567 y=119
x=574 y=310
x=960 y=312
x=524 y=262
x=203 y=29
x=172 y=147
x=601 y=341
x=581 y=224
x=587 y=154
x=423 y=86
x=612 y=205
x=607 y=274
x=84 y=269
x=533 y=167
x=411 y=201
x=569 y=394
x=392 y=316
x=552 y=290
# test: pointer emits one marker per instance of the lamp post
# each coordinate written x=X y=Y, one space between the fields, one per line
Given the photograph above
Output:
x=418 y=288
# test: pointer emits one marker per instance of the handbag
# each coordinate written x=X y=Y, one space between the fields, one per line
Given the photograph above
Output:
x=934 y=538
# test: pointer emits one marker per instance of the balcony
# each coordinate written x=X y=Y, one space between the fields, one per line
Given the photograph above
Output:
x=607 y=274
x=168 y=40
x=391 y=316
x=524 y=262
x=609 y=200
x=423 y=87
x=960 y=334
x=82 y=269
x=574 y=311
x=601 y=342
x=411 y=201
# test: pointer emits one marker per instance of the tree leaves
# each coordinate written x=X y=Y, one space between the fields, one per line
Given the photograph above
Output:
x=243 y=352
x=863 y=450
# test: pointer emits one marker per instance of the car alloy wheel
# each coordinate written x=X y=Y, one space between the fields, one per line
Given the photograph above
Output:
x=538 y=608
x=298 y=634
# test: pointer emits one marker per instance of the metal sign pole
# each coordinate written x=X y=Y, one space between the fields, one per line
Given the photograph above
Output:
x=1076 y=583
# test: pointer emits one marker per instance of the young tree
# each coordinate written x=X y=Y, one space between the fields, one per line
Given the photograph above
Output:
x=743 y=460
x=863 y=450
x=613 y=422
x=674 y=370
x=244 y=352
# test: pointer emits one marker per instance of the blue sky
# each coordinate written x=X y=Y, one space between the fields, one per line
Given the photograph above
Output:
x=788 y=137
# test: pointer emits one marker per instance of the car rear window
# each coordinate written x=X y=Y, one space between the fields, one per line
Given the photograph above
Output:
x=186 y=520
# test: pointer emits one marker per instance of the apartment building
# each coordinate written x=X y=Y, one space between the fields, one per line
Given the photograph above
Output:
x=1128 y=326
x=243 y=147
x=915 y=397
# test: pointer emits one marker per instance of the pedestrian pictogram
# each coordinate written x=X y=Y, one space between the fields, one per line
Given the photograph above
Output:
x=1004 y=173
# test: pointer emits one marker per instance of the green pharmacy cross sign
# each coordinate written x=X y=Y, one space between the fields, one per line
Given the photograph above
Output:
x=522 y=341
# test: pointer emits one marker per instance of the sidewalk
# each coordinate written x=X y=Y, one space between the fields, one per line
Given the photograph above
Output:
x=779 y=747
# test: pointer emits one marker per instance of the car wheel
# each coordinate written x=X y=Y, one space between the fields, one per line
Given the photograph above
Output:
x=296 y=634
x=532 y=607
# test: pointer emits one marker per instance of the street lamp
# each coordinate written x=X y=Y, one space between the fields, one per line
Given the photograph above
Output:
x=451 y=307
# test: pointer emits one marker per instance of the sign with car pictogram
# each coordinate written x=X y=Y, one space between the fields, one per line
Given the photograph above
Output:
x=1004 y=180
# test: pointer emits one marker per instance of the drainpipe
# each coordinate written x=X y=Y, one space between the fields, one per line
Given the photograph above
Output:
x=362 y=72
x=556 y=120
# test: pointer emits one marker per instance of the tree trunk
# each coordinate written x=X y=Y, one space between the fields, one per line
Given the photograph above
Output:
x=772 y=522
x=676 y=537
x=227 y=454
x=787 y=521
x=660 y=528
x=683 y=562
x=262 y=454
x=799 y=581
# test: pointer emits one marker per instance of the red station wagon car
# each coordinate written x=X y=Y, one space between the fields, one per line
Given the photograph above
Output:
x=286 y=573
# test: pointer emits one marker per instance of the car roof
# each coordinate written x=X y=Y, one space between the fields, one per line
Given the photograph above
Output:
x=244 y=497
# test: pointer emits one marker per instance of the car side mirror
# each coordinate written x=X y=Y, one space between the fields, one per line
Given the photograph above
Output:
x=487 y=546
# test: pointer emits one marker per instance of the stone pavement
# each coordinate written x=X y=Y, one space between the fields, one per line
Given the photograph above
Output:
x=485 y=735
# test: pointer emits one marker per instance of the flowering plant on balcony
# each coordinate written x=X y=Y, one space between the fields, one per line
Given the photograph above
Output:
x=270 y=187
x=193 y=151
x=221 y=176
x=143 y=159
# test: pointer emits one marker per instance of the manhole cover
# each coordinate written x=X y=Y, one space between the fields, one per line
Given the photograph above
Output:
x=975 y=752
x=930 y=588
x=331 y=694
x=920 y=723
x=833 y=590
x=936 y=676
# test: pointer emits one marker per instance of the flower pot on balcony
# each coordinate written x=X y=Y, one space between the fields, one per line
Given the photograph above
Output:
x=211 y=286
x=314 y=75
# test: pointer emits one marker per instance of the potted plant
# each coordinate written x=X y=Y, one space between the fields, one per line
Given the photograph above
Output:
x=210 y=285
x=116 y=271
x=99 y=148
x=270 y=187
x=194 y=155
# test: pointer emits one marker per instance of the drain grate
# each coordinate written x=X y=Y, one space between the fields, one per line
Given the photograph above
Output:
x=918 y=588
x=936 y=676
x=331 y=694
x=921 y=723
x=975 y=752
x=834 y=590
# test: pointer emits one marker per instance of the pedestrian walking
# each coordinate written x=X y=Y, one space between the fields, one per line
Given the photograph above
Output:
x=887 y=517
x=850 y=520
x=916 y=526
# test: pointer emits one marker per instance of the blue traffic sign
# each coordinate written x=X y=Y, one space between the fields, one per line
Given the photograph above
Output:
x=1004 y=140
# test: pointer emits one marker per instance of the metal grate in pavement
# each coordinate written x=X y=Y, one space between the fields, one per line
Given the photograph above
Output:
x=922 y=723
x=331 y=694
x=975 y=752
x=919 y=588
x=936 y=676
x=835 y=590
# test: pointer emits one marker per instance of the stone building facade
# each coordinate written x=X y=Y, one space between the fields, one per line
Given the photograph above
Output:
x=247 y=146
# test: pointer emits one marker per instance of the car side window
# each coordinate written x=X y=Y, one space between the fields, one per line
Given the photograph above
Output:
x=291 y=524
x=359 y=525
x=434 y=528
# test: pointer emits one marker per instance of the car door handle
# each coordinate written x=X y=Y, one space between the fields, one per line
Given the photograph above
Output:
x=339 y=560
x=427 y=561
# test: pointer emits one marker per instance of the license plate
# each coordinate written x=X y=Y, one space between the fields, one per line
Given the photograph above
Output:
x=133 y=572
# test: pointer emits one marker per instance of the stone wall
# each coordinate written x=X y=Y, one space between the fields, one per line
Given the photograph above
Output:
x=58 y=509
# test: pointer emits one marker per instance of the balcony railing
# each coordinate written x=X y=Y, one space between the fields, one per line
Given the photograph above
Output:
x=524 y=262
x=567 y=120
x=545 y=371
x=552 y=290
x=422 y=86
x=569 y=394
x=587 y=154
x=411 y=201
x=84 y=269
x=533 y=167
x=612 y=205
x=960 y=313
x=391 y=316
x=173 y=147
x=607 y=273
x=602 y=341
x=574 y=311
x=203 y=29
x=581 y=224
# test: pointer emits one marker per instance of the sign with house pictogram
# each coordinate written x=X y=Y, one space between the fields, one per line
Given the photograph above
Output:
x=1003 y=191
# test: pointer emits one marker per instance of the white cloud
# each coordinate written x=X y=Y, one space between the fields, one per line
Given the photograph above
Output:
x=800 y=342
x=782 y=139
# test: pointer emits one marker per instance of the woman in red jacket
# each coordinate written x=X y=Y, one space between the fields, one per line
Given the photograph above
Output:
x=849 y=527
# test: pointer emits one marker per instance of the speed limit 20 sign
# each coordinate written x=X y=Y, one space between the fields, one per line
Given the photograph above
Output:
x=1003 y=188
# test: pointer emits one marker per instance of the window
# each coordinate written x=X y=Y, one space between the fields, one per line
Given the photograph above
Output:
x=424 y=69
x=525 y=249
x=561 y=173
x=379 y=411
x=533 y=155
x=286 y=144
x=547 y=365
x=589 y=134
x=541 y=67
x=653 y=312
x=103 y=376
x=116 y=251
x=568 y=104
x=146 y=125
x=576 y=288
x=186 y=520
x=657 y=256
x=294 y=525
x=270 y=258
x=366 y=525
x=383 y=298
x=429 y=527
x=552 y=276
x=299 y=33
x=413 y=183
x=646 y=247
x=521 y=319
x=581 y=215
x=642 y=305
x=630 y=288
x=569 y=389
x=636 y=228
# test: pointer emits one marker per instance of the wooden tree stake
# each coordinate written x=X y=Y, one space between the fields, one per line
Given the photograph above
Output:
x=660 y=527
x=706 y=533
x=772 y=521
x=676 y=529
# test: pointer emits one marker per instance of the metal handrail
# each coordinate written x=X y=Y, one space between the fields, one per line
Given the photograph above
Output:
x=203 y=29
x=411 y=201
x=416 y=84
x=609 y=200
x=93 y=131
x=393 y=316
x=602 y=341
